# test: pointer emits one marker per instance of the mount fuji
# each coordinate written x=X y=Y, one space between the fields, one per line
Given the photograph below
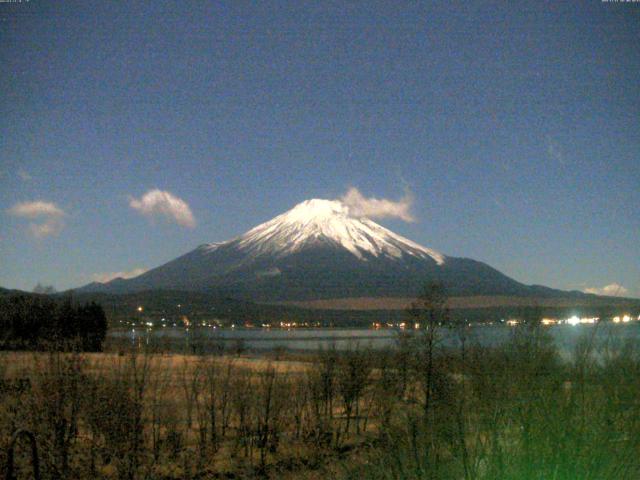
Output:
x=320 y=249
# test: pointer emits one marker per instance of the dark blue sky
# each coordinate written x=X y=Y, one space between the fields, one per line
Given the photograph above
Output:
x=516 y=128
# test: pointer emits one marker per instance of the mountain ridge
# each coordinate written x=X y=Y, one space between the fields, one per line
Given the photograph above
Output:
x=321 y=249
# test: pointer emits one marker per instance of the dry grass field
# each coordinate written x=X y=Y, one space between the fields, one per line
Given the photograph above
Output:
x=478 y=301
x=17 y=362
x=515 y=411
x=138 y=415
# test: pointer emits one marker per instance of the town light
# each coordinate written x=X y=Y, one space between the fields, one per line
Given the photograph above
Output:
x=573 y=320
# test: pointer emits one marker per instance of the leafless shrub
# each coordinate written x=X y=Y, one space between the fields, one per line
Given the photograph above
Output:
x=115 y=413
x=54 y=404
x=353 y=372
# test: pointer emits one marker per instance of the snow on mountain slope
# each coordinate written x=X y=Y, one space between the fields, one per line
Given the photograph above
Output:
x=319 y=249
x=316 y=221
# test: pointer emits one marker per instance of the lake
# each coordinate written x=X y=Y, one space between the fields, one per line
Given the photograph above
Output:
x=566 y=337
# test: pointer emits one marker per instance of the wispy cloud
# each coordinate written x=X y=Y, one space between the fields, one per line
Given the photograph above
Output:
x=24 y=175
x=48 y=228
x=554 y=151
x=611 y=290
x=361 y=206
x=50 y=215
x=108 y=276
x=162 y=203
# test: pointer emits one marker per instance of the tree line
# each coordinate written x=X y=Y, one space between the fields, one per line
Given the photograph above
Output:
x=33 y=322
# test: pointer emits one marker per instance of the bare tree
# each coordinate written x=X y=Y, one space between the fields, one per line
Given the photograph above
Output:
x=428 y=314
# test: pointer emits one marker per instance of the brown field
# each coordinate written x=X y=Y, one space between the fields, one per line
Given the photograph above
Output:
x=182 y=416
x=509 y=412
x=401 y=303
x=16 y=362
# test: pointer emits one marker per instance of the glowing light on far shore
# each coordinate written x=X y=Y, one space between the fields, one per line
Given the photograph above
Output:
x=575 y=320
x=589 y=320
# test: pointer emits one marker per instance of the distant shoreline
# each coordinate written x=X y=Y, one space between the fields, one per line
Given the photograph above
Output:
x=476 y=301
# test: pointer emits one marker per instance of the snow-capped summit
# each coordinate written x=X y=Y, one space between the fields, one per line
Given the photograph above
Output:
x=318 y=249
x=329 y=221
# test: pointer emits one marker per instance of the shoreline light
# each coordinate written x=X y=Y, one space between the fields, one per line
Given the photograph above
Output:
x=573 y=320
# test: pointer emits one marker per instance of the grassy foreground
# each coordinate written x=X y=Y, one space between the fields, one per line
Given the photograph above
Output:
x=511 y=412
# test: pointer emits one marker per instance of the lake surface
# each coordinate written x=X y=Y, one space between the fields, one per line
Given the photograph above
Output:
x=566 y=337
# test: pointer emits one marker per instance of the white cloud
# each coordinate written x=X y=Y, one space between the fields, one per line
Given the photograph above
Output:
x=611 y=290
x=35 y=209
x=159 y=202
x=361 y=206
x=51 y=217
x=108 y=276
